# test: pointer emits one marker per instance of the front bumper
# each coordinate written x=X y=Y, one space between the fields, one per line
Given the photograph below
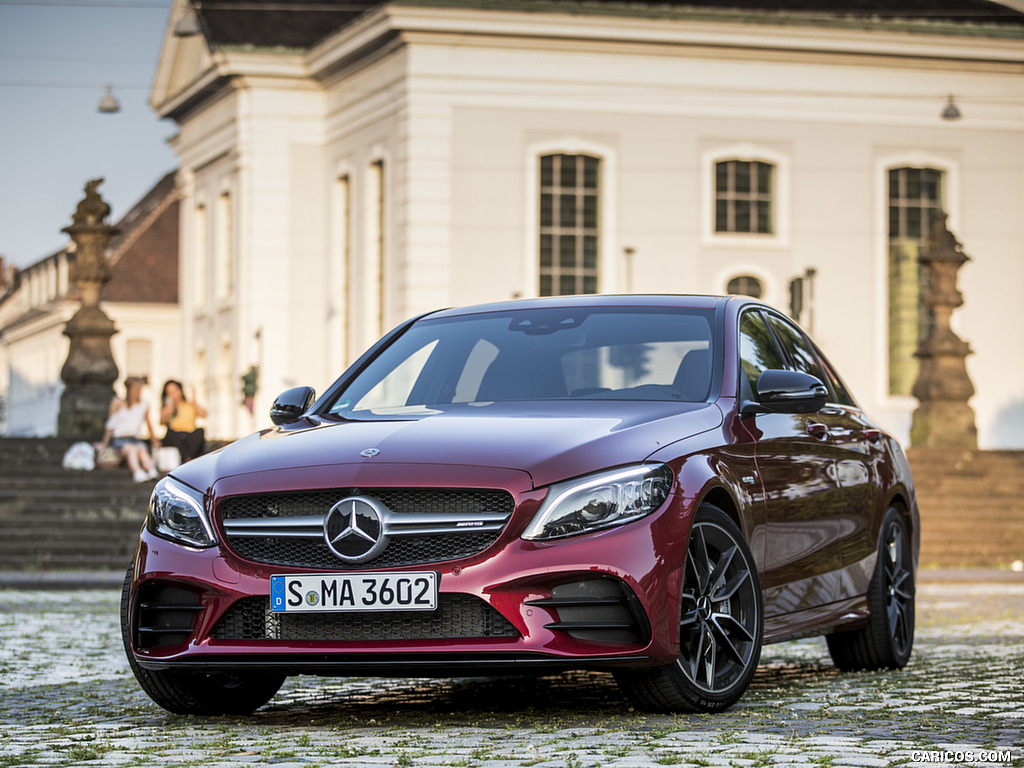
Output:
x=607 y=599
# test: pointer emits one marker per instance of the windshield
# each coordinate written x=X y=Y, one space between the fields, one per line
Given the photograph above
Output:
x=536 y=354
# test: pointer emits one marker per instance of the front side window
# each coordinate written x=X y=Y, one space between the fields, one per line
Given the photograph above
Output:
x=803 y=357
x=536 y=354
x=914 y=205
x=758 y=350
x=743 y=197
x=569 y=232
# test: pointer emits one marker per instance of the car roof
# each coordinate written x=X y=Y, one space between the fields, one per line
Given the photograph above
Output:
x=689 y=301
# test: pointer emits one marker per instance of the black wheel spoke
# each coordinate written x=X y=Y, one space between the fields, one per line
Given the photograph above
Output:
x=694 y=661
x=698 y=557
x=708 y=660
x=726 y=592
x=899 y=586
x=722 y=635
x=894 y=617
x=720 y=569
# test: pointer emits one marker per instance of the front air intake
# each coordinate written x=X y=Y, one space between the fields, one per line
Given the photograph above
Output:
x=601 y=610
x=164 y=615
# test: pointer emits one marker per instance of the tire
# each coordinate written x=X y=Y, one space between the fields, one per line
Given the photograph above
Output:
x=196 y=693
x=886 y=641
x=720 y=630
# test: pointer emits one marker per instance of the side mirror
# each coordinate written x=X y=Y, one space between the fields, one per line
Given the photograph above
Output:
x=787 y=392
x=291 y=404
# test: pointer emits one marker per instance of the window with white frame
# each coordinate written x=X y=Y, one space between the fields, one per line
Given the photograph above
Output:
x=224 y=247
x=914 y=206
x=744 y=191
x=569 y=229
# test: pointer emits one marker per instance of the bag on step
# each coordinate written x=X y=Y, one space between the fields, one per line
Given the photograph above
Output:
x=80 y=456
x=168 y=458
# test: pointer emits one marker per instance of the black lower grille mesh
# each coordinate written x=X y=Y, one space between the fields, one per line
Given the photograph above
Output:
x=457 y=616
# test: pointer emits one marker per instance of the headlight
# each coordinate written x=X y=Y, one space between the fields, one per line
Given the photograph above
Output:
x=177 y=512
x=600 y=501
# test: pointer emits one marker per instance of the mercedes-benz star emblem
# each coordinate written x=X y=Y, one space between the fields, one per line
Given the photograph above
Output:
x=354 y=529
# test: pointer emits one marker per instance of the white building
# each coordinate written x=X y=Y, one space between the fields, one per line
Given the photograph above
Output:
x=342 y=171
x=141 y=299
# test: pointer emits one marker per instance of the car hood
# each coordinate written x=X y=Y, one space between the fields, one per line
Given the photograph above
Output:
x=550 y=441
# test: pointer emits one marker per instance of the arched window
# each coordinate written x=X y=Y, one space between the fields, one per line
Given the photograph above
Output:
x=745 y=285
x=744 y=190
x=569 y=231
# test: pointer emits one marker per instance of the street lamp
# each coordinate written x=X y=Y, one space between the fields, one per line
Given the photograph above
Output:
x=950 y=112
x=109 y=103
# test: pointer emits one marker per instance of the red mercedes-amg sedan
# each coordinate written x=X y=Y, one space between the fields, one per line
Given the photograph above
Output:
x=649 y=485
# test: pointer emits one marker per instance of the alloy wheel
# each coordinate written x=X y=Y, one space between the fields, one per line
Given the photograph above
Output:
x=719 y=620
x=899 y=590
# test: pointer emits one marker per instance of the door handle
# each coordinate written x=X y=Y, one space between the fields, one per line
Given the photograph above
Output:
x=817 y=430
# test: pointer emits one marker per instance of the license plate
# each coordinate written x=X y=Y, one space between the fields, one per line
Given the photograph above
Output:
x=325 y=592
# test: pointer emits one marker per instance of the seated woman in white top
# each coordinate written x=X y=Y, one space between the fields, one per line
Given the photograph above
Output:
x=124 y=427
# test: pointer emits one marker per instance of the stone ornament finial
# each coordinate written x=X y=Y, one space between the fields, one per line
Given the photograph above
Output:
x=93 y=209
x=89 y=269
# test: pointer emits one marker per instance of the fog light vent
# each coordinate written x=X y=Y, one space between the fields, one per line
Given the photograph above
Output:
x=165 y=615
x=602 y=610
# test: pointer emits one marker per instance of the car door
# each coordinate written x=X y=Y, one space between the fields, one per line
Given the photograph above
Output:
x=856 y=448
x=801 y=496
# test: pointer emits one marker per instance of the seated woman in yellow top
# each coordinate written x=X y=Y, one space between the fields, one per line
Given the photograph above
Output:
x=180 y=417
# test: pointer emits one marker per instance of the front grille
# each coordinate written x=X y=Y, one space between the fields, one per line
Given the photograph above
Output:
x=425 y=525
x=457 y=616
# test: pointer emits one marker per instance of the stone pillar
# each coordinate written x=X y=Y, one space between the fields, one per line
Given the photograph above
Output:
x=89 y=372
x=943 y=419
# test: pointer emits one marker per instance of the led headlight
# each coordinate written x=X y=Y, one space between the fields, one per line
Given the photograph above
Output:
x=599 y=501
x=178 y=513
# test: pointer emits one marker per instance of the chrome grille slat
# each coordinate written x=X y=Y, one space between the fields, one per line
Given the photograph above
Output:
x=411 y=524
x=307 y=525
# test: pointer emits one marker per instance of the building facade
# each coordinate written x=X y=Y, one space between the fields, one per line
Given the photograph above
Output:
x=341 y=171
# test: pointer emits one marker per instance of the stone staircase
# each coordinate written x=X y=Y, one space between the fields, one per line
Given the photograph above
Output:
x=972 y=506
x=971 y=502
x=57 y=519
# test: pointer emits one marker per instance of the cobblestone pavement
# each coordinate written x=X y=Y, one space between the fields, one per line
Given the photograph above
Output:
x=67 y=698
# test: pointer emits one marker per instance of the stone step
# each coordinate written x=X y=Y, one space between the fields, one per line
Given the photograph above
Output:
x=70 y=539
x=93 y=560
x=35 y=506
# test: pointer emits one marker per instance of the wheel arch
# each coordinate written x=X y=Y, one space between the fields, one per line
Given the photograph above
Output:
x=721 y=498
x=903 y=502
